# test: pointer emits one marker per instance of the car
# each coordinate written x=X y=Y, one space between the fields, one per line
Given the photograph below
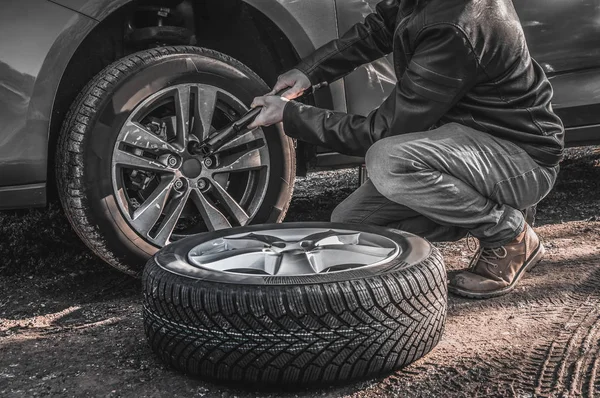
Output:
x=101 y=100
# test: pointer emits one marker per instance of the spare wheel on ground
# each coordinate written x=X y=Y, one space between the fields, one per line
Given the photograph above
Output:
x=294 y=303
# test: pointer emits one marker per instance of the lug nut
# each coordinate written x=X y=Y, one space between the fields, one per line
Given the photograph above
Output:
x=208 y=162
x=202 y=183
x=178 y=184
x=172 y=161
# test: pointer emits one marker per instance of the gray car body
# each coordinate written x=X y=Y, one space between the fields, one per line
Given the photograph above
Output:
x=39 y=37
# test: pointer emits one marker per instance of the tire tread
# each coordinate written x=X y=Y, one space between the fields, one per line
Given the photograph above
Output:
x=295 y=334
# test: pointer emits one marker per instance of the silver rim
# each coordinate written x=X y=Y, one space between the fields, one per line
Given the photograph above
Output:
x=164 y=191
x=294 y=251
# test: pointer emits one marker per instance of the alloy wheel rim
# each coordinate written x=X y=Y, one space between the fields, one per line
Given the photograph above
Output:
x=293 y=252
x=160 y=185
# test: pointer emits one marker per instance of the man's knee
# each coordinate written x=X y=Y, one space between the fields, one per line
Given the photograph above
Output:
x=388 y=162
x=338 y=214
x=344 y=213
x=377 y=161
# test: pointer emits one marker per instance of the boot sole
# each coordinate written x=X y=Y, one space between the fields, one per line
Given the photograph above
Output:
x=530 y=264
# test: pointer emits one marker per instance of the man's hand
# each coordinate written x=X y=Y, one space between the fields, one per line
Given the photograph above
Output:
x=295 y=79
x=271 y=113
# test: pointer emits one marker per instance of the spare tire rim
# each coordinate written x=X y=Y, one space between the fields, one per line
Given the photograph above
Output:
x=294 y=252
x=163 y=190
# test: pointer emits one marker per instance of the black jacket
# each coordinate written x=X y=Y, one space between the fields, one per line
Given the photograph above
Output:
x=463 y=61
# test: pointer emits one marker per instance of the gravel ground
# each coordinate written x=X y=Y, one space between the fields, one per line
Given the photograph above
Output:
x=71 y=326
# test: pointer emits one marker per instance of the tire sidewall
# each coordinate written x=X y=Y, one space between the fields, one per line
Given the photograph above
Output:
x=138 y=83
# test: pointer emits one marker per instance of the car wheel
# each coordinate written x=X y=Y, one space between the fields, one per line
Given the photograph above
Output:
x=294 y=303
x=126 y=177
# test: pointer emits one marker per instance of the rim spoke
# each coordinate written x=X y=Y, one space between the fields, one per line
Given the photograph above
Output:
x=250 y=160
x=240 y=261
x=213 y=218
x=233 y=244
x=238 y=254
x=206 y=100
x=265 y=239
x=139 y=136
x=321 y=259
x=146 y=216
x=128 y=159
x=296 y=264
x=360 y=249
x=230 y=203
x=182 y=109
x=230 y=259
x=244 y=139
x=332 y=237
x=272 y=263
x=173 y=212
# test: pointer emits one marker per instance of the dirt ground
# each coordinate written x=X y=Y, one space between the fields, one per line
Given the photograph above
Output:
x=71 y=326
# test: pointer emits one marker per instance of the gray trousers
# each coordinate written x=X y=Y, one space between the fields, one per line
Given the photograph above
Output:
x=443 y=183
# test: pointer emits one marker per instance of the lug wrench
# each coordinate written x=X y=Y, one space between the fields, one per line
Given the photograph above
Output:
x=217 y=139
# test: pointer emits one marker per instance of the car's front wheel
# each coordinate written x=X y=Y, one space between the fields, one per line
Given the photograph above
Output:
x=126 y=176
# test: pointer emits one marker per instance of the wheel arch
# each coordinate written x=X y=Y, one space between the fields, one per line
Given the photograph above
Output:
x=87 y=46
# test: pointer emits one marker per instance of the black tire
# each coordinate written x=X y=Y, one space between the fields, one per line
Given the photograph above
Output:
x=90 y=131
x=278 y=330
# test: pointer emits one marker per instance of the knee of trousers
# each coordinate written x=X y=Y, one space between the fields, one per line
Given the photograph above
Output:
x=343 y=213
x=389 y=165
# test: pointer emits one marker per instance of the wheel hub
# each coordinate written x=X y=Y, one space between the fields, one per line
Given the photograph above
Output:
x=191 y=168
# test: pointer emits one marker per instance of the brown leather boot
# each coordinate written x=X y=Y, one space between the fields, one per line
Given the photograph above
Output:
x=496 y=271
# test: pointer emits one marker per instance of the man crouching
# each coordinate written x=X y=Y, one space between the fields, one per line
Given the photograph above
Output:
x=467 y=143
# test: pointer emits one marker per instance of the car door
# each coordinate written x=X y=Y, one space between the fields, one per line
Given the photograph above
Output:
x=369 y=85
x=564 y=37
x=365 y=88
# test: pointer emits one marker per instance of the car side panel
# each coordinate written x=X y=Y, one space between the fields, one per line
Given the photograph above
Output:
x=43 y=37
x=308 y=24
x=369 y=85
x=576 y=101
x=568 y=48
x=366 y=87
x=96 y=9
x=564 y=37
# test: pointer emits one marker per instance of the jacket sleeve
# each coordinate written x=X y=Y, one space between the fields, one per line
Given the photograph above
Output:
x=442 y=69
x=363 y=43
